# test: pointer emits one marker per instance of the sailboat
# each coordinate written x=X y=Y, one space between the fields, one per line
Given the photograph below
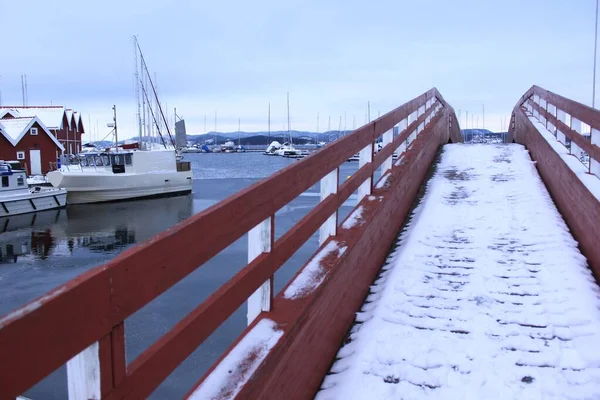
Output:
x=273 y=146
x=128 y=171
x=239 y=147
x=288 y=149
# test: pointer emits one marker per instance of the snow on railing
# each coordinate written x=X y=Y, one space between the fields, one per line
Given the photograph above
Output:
x=574 y=125
x=81 y=323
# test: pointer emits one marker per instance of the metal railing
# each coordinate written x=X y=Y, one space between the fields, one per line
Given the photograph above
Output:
x=81 y=323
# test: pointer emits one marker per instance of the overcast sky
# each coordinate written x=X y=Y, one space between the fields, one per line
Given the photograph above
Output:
x=332 y=56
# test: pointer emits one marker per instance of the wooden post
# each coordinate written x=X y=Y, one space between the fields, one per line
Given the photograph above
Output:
x=543 y=105
x=83 y=374
x=365 y=157
x=574 y=149
x=562 y=116
x=552 y=111
x=536 y=100
x=329 y=185
x=388 y=137
x=260 y=240
x=595 y=164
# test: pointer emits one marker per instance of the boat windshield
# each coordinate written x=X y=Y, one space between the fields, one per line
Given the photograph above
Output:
x=105 y=160
x=5 y=169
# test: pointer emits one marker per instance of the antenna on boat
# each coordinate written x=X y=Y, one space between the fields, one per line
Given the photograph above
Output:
x=114 y=126
x=288 y=115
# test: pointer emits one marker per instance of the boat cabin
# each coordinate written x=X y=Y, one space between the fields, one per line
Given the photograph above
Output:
x=12 y=176
x=131 y=162
x=115 y=162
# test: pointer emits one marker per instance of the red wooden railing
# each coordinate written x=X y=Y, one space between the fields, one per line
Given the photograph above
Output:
x=81 y=323
x=563 y=117
x=576 y=127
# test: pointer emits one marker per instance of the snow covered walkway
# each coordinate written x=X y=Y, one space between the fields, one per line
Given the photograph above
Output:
x=486 y=296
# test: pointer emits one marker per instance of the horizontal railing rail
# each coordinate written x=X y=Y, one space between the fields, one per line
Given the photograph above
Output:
x=564 y=118
x=81 y=323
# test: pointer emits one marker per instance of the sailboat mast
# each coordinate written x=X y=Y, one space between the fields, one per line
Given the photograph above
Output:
x=137 y=90
x=288 y=117
x=215 y=127
x=239 y=131
x=317 y=135
x=269 y=124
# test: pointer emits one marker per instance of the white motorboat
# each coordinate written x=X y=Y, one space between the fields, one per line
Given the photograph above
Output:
x=272 y=148
x=17 y=198
x=228 y=147
x=288 y=150
x=123 y=175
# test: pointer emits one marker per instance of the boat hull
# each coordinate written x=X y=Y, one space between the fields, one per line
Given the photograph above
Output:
x=33 y=202
x=97 y=188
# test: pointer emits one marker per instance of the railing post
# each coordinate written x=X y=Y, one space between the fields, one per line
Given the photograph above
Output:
x=549 y=126
x=260 y=240
x=329 y=185
x=542 y=118
x=595 y=164
x=83 y=374
x=536 y=100
x=388 y=137
x=98 y=369
x=574 y=149
x=562 y=116
x=365 y=157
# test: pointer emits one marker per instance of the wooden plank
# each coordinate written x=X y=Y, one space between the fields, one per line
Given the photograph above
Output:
x=52 y=329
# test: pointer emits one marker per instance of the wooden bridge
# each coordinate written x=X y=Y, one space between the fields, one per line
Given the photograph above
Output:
x=293 y=336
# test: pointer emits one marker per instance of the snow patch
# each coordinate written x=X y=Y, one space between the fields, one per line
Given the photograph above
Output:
x=313 y=274
x=237 y=367
x=382 y=181
x=354 y=219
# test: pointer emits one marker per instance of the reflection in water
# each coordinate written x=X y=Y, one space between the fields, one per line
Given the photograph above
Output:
x=96 y=228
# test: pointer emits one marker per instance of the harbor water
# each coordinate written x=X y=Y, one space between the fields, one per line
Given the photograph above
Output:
x=38 y=252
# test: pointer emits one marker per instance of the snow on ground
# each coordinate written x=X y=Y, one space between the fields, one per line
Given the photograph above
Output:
x=487 y=296
x=592 y=182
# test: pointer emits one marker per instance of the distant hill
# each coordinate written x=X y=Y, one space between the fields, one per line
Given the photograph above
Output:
x=264 y=138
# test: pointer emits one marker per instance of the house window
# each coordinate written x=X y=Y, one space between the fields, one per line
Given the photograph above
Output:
x=33 y=131
x=20 y=155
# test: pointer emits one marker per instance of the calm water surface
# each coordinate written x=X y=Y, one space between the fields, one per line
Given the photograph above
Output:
x=40 y=251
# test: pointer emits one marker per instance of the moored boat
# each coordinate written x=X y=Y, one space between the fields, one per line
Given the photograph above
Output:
x=17 y=198
x=123 y=175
